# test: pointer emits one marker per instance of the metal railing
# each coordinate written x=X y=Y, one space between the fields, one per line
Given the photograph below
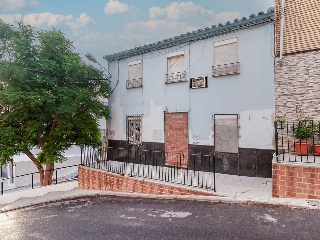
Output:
x=226 y=69
x=297 y=141
x=32 y=183
x=134 y=83
x=199 y=171
x=176 y=77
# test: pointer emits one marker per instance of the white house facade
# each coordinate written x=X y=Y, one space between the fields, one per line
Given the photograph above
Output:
x=210 y=91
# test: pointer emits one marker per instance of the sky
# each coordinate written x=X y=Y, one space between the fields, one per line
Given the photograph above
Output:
x=102 y=27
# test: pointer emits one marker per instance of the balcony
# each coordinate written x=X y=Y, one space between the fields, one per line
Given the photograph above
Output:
x=176 y=77
x=134 y=83
x=226 y=69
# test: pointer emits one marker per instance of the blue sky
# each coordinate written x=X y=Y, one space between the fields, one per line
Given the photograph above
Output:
x=106 y=26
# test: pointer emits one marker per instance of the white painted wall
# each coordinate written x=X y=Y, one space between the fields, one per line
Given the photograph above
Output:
x=249 y=94
x=256 y=129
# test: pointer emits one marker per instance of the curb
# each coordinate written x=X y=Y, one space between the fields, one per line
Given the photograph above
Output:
x=212 y=199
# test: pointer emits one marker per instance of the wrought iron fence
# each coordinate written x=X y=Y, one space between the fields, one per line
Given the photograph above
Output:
x=298 y=141
x=134 y=83
x=7 y=183
x=176 y=77
x=226 y=69
x=151 y=164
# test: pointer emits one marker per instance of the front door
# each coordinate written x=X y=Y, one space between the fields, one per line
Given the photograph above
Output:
x=176 y=138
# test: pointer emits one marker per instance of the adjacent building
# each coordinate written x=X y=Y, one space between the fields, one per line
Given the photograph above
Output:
x=297 y=92
x=297 y=59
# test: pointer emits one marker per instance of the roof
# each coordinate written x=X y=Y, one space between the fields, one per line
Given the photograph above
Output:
x=238 y=24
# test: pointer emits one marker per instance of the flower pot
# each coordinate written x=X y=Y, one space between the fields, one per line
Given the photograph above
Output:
x=303 y=148
x=316 y=149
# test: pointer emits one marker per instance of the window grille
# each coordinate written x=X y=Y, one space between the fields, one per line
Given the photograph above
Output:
x=134 y=127
x=226 y=69
x=134 y=83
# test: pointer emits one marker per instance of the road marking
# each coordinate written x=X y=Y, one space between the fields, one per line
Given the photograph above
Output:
x=269 y=218
x=175 y=214
x=124 y=216
x=49 y=216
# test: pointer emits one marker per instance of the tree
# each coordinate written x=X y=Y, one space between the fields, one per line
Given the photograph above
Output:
x=49 y=98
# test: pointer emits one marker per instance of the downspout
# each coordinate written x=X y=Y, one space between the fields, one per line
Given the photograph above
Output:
x=283 y=5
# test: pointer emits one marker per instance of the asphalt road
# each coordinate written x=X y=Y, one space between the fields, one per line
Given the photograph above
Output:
x=127 y=218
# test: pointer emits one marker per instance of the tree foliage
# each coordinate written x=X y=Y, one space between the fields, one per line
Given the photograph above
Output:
x=49 y=98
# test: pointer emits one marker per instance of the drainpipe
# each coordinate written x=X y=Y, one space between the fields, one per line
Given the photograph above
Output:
x=283 y=5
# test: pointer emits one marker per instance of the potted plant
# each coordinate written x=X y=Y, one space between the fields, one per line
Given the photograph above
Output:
x=281 y=122
x=303 y=131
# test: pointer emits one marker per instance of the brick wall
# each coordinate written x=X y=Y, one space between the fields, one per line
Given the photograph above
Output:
x=95 y=179
x=176 y=137
x=295 y=181
x=297 y=86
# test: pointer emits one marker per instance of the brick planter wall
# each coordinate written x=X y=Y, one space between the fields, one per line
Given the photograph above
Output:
x=296 y=180
x=95 y=179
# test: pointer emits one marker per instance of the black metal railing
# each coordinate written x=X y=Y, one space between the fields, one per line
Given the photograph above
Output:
x=226 y=69
x=176 y=77
x=195 y=170
x=134 y=83
x=297 y=141
x=7 y=184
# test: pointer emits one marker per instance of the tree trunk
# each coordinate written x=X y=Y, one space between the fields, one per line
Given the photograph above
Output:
x=45 y=175
x=37 y=164
x=48 y=174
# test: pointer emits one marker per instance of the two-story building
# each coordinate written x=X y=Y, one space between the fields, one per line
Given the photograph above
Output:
x=210 y=91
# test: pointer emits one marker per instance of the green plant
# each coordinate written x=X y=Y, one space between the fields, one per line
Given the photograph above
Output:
x=305 y=129
x=281 y=120
x=49 y=97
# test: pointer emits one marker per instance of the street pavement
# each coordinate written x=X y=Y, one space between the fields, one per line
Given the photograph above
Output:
x=112 y=217
x=230 y=189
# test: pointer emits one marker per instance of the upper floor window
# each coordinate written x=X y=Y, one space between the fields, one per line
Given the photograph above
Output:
x=226 y=58
x=134 y=74
x=175 y=67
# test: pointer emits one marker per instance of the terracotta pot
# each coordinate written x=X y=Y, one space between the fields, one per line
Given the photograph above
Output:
x=303 y=148
x=316 y=149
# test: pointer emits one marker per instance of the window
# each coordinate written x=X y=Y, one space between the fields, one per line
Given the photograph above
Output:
x=175 y=68
x=134 y=74
x=134 y=130
x=226 y=58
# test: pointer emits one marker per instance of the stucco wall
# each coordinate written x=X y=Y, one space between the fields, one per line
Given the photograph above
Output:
x=249 y=94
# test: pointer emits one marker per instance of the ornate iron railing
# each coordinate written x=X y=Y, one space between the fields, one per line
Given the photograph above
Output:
x=134 y=83
x=226 y=69
x=176 y=77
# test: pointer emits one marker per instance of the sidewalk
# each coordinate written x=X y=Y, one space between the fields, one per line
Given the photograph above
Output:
x=230 y=189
